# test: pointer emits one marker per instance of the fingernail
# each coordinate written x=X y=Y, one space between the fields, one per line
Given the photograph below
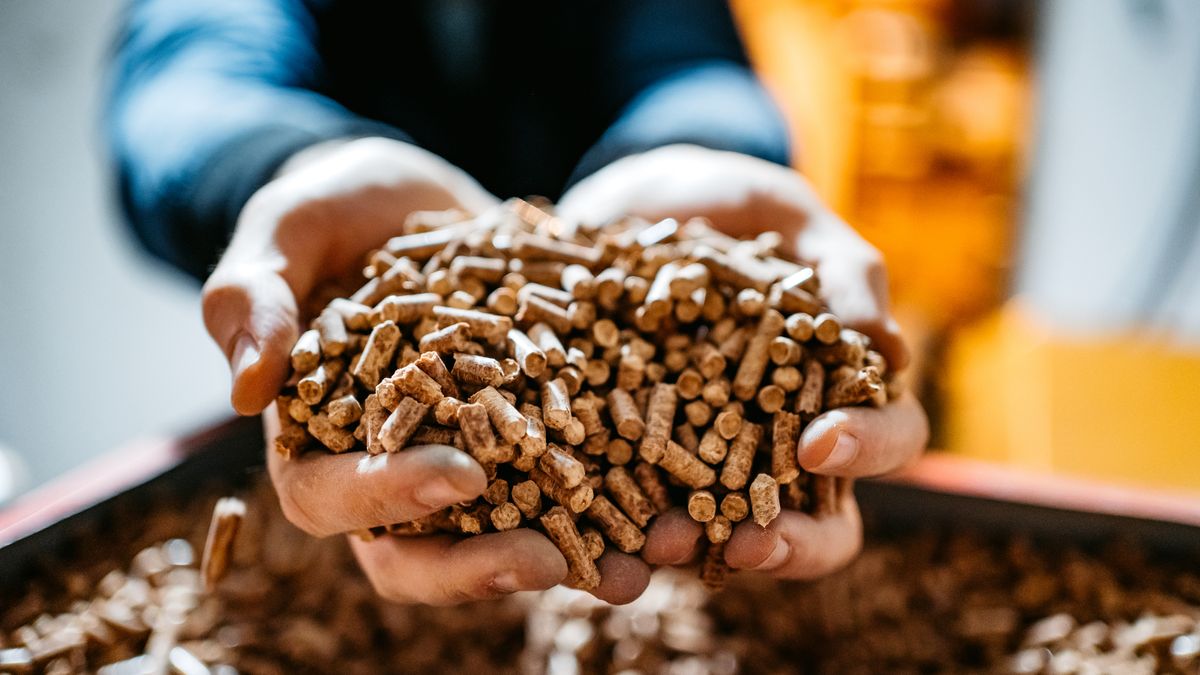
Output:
x=438 y=493
x=778 y=557
x=844 y=451
x=506 y=582
x=245 y=354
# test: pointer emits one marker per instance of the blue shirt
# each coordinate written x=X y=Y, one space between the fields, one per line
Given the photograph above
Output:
x=209 y=97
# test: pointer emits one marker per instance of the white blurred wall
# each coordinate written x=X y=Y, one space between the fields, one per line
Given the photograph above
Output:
x=1112 y=236
x=98 y=343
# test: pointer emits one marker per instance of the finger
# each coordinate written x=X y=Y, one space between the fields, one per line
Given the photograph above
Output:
x=250 y=312
x=796 y=545
x=326 y=494
x=860 y=441
x=446 y=570
x=623 y=578
x=673 y=539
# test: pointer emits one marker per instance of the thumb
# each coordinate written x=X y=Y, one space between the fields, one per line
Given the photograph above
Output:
x=251 y=313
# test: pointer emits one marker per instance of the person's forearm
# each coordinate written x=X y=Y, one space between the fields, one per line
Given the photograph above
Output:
x=206 y=103
x=718 y=105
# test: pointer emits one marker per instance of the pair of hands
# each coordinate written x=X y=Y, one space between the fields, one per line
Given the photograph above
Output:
x=332 y=203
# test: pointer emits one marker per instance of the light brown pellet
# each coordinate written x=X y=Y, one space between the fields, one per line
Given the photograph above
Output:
x=329 y=434
x=631 y=370
x=306 y=354
x=412 y=381
x=579 y=282
x=785 y=437
x=852 y=390
x=374 y=415
x=477 y=433
x=799 y=327
x=785 y=351
x=619 y=528
x=561 y=529
x=587 y=411
x=716 y=393
x=738 y=461
x=377 y=354
x=496 y=492
x=660 y=416
x=771 y=398
x=331 y=330
x=708 y=359
x=576 y=498
x=764 y=499
x=728 y=423
x=754 y=362
x=593 y=541
x=625 y=416
x=528 y=498
x=685 y=466
x=402 y=424
x=556 y=404
x=484 y=325
x=735 y=506
x=787 y=378
x=714 y=569
x=713 y=447
x=534 y=309
x=481 y=371
x=405 y=309
x=505 y=517
x=534 y=442
x=610 y=285
x=808 y=401
x=448 y=340
x=432 y=365
x=698 y=413
x=685 y=435
x=562 y=466
x=356 y=316
x=648 y=479
x=485 y=269
x=702 y=506
x=227 y=519
x=527 y=354
x=344 y=410
x=300 y=411
x=619 y=452
x=826 y=328
x=312 y=387
x=719 y=529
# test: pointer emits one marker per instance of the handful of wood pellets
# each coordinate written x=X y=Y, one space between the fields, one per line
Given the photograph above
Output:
x=599 y=375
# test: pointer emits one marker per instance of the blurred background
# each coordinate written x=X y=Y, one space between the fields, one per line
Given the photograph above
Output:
x=1030 y=170
x=100 y=344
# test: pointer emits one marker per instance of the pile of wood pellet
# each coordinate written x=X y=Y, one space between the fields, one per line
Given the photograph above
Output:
x=599 y=377
x=919 y=603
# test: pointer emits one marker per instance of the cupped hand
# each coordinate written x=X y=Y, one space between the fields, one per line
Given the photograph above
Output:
x=744 y=196
x=329 y=205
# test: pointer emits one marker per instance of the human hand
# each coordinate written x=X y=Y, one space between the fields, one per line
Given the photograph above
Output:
x=745 y=196
x=329 y=205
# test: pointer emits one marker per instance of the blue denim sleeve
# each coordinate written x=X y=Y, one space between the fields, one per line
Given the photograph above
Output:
x=680 y=75
x=206 y=100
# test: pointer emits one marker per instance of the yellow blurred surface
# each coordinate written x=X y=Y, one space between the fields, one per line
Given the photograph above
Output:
x=911 y=118
x=1123 y=408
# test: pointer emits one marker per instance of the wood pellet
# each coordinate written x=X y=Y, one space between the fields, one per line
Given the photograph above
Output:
x=614 y=372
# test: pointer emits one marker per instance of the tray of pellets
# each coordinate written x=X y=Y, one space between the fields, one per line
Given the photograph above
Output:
x=968 y=567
